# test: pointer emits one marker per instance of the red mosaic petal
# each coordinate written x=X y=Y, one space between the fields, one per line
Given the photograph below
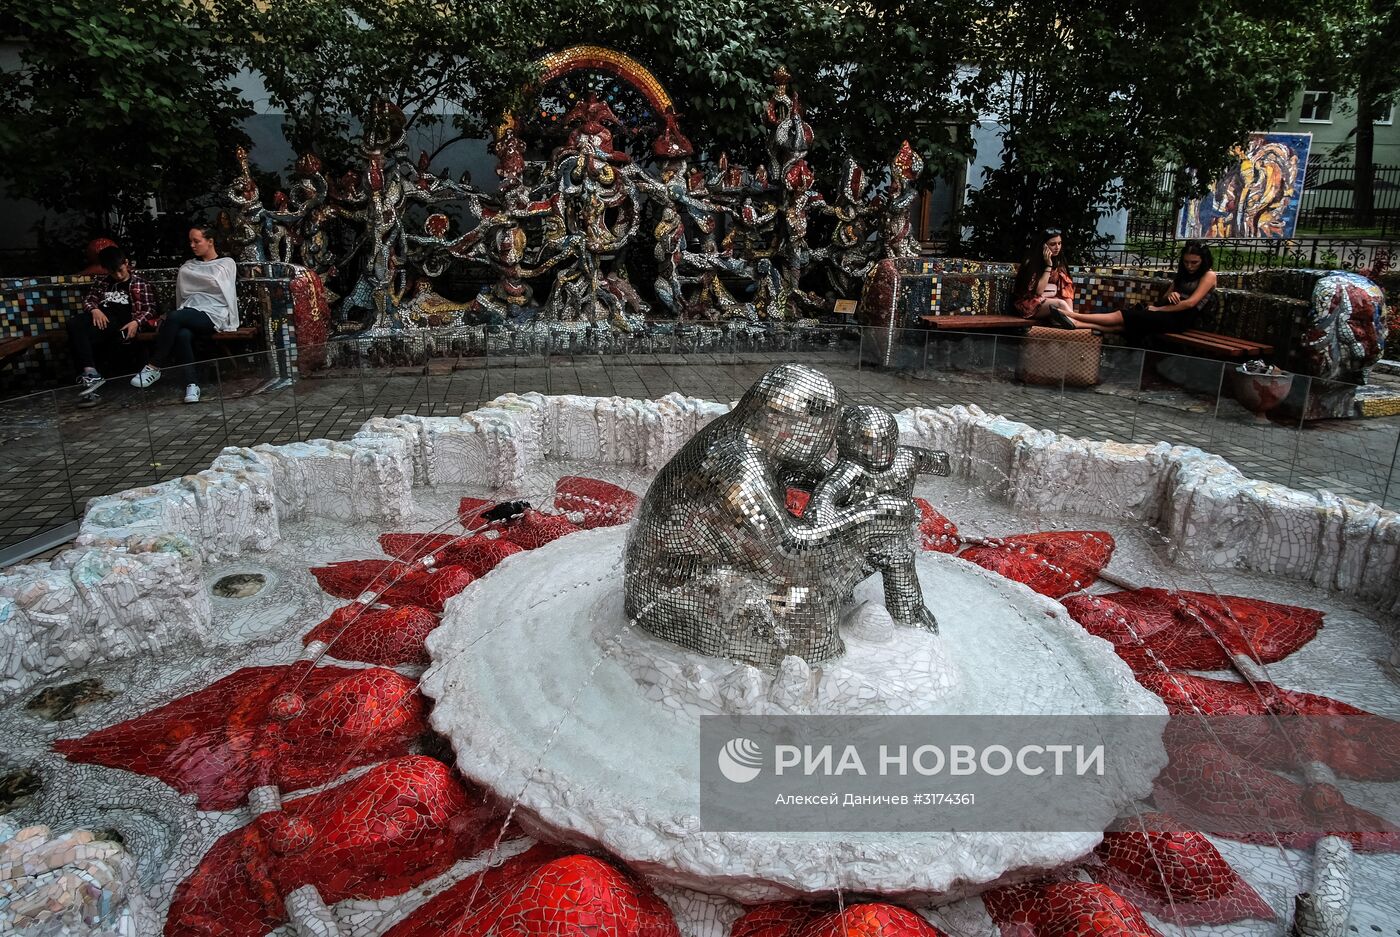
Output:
x=410 y=547
x=263 y=725
x=543 y=894
x=442 y=585
x=1153 y=629
x=804 y=919
x=1205 y=786
x=876 y=919
x=601 y=503
x=576 y=895
x=469 y=512
x=936 y=532
x=796 y=501
x=534 y=529
x=1054 y=563
x=351 y=579
x=392 y=582
x=473 y=906
x=1064 y=909
x=1356 y=744
x=378 y=835
x=778 y=919
x=390 y=636
x=1177 y=875
x=479 y=555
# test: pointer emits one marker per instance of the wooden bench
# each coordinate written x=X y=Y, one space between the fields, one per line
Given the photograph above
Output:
x=974 y=323
x=237 y=335
x=14 y=345
x=1215 y=345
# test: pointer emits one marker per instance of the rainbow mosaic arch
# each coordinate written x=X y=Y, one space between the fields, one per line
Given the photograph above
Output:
x=616 y=63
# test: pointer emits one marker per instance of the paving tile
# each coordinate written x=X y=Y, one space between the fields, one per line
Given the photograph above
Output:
x=138 y=437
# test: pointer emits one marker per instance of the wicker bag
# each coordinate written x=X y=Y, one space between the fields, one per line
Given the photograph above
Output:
x=1054 y=356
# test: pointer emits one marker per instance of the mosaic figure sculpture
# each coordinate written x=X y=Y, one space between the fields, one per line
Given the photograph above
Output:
x=1348 y=332
x=850 y=252
x=720 y=243
x=895 y=234
x=872 y=462
x=716 y=564
x=242 y=196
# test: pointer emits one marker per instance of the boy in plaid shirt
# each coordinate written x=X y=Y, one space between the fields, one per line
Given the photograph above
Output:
x=115 y=307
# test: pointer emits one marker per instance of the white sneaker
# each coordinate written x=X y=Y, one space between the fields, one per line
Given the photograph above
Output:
x=146 y=377
x=191 y=393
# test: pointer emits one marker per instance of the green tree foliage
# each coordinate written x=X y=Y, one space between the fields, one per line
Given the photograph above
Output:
x=1097 y=95
x=869 y=76
x=111 y=102
x=323 y=62
x=1359 y=53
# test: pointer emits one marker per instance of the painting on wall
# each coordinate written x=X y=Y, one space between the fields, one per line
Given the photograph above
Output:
x=1258 y=196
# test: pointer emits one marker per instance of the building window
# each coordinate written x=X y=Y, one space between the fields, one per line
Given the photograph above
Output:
x=1387 y=116
x=1281 y=115
x=1317 y=108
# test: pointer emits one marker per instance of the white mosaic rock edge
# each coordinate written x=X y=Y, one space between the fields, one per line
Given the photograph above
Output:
x=1210 y=515
x=70 y=883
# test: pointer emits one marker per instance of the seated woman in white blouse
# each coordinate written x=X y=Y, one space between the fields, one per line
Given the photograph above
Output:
x=206 y=301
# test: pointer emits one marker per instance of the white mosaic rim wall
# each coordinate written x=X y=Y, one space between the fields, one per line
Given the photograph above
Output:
x=133 y=583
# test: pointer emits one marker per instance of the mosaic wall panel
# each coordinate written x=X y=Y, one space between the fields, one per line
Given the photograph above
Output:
x=1098 y=290
x=34 y=306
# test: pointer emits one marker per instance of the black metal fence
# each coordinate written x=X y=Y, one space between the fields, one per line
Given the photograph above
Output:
x=1327 y=208
x=1366 y=255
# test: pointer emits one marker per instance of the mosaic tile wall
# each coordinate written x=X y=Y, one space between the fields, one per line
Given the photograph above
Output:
x=1102 y=290
x=33 y=306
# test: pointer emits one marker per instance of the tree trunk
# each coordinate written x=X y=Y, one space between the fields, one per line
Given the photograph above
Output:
x=1364 y=195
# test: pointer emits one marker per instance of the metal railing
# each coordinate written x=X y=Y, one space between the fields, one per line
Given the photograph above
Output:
x=59 y=453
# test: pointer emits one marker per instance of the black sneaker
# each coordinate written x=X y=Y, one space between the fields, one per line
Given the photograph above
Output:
x=90 y=382
x=88 y=400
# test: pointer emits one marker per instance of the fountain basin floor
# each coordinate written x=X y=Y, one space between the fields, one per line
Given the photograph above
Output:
x=530 y=684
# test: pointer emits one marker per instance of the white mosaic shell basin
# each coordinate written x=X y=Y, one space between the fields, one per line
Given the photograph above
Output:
x=545 y=713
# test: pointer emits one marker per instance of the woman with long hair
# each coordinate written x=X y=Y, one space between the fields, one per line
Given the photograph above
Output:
x=206 y=301
x=1043 y=287
x=1191 y=294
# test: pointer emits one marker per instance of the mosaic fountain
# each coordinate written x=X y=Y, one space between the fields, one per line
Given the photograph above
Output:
x=244 y=770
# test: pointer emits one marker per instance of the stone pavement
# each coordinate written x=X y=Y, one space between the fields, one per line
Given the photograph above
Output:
x=57 y=456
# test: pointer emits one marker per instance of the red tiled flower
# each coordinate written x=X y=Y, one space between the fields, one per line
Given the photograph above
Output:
x=1055 y=563
x=1207 y=787
x=410 y=547
x=1355 y=743
x=1064 y=909
x=393 y=582
x=390 y=636
x=534 y=529
x=1177 y=875
x=288 y=726
x=542 y=894
x=1155 y=629
x=802 y=919
x=393 y=827
x=601 y=503
x=480 y=554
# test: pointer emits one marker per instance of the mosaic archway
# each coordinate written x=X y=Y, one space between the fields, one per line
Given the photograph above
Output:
x=569 y=76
